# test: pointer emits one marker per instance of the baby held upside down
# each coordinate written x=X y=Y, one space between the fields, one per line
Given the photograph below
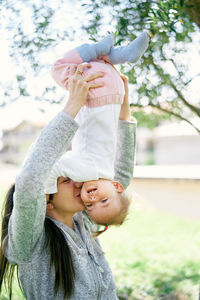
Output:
x=92 y=157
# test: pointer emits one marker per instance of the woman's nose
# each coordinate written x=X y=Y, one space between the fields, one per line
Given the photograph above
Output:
x=78 y=185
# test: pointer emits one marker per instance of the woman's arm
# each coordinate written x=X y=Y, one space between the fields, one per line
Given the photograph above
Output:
x=126 y=142
x=27 y=219
x=125 y=155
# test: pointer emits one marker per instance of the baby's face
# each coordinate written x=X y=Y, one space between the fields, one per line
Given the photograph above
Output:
x=101 y=198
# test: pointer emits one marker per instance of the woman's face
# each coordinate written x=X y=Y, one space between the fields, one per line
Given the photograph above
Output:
x=67 y=199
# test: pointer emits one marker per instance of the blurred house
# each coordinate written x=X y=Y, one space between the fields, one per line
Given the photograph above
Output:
x=176 y=144
x=144 y=147
x=172 y=144
x=16 y=141
x=172 y=184
x=173 y=188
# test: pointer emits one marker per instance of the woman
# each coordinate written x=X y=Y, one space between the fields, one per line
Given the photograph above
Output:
x=49 y=237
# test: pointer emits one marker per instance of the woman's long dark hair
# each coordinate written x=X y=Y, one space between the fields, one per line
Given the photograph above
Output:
x=61 y=258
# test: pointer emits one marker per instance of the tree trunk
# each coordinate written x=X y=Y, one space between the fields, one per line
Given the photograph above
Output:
x=194 y=12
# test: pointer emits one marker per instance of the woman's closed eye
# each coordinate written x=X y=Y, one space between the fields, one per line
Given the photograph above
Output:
x=67 y=179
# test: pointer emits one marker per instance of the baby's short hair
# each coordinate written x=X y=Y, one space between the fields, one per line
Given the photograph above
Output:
x=125 y=199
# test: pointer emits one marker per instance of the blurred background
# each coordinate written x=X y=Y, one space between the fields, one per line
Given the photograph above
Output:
x=155 y=255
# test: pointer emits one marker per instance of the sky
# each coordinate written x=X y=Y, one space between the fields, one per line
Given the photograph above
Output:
x=25 y=107
x=28 y=109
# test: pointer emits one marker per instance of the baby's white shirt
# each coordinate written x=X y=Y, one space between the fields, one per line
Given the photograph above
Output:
x=93 y=147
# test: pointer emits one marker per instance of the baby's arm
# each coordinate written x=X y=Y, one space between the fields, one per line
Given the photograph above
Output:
x=125 y=112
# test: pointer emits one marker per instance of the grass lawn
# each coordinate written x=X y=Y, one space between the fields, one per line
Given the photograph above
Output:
x=154 y=256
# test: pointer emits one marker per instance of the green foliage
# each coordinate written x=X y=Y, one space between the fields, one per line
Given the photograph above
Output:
x=160 y=78
x=170 y=23
x=152 y=256
x=150 y=120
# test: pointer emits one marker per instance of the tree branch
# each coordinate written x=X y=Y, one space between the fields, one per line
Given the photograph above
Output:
x=168 y=112
x=194 y=10
x=192 y=79
x=173 y=62
x=181 y=97
x=179 y=94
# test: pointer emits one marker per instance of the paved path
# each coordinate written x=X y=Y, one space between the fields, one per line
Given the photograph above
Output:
x=180 y=197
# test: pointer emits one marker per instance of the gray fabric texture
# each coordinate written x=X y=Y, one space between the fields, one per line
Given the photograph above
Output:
x=125 y=155
x=26 y=243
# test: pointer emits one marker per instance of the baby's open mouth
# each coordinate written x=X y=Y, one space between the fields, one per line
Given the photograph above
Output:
x=91 y=190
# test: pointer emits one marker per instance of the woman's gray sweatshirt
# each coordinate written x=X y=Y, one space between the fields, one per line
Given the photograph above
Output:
x=26 y=243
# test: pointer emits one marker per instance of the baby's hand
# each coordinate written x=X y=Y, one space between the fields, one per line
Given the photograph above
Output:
x=125 y=112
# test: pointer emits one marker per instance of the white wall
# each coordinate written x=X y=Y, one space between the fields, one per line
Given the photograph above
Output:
x=177 y=149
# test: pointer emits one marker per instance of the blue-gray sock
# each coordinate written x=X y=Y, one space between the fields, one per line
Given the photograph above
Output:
x=130 y=53
x=89 y=52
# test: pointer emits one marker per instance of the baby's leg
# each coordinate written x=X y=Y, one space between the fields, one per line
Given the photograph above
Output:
x=84 y=53
x=130 y=53
x=89 y=52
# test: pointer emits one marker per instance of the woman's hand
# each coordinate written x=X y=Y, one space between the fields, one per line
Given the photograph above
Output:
x=79 y=87
x=125 y=112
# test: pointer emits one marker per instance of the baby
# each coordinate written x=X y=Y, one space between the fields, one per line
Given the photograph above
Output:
x=91 y=159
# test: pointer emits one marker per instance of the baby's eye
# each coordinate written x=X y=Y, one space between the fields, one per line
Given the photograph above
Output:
x=104 y=200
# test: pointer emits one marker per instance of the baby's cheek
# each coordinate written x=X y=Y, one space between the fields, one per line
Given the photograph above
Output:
x=83 y=196
x=97 y=217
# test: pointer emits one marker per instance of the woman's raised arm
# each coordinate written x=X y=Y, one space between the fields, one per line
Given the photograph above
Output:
x=28 y=215
x=126 y=141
